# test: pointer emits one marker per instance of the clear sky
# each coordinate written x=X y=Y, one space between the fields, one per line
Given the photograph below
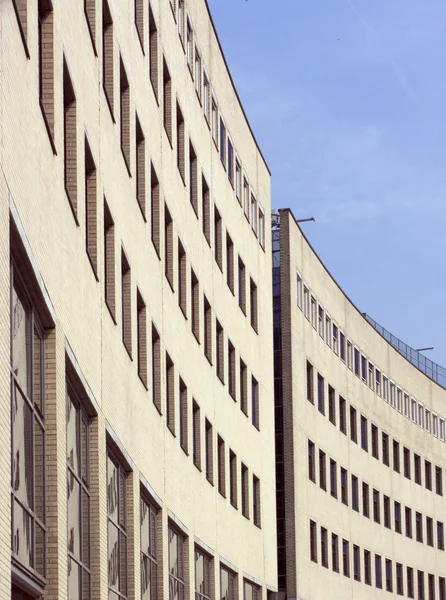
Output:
x=347 y=99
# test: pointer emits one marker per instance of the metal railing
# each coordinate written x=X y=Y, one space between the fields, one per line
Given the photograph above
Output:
x=427 y=366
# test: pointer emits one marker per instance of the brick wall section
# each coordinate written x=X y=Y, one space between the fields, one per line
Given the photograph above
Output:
x=108 y=60
x=167 y=101
x=21 y=7
x=139 y=20
x=90 y=13
x=91 y=209
x=47 y=69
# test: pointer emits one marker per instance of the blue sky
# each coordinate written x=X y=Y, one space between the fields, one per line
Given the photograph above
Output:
x=347 y=99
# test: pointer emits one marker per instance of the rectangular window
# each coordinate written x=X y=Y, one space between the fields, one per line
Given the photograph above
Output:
x=331 y=405
x=196 y=435
x=356 y=361
x=363 y=368
x=376 y=510
x=220 y=347
x=333 y=479
x=353 y=425
x=371 y=380
x=414 y=410
x=155 y=209
x=245 y=490
x=231 y=371
x=176 y=564
x=345 y=558
x=206 y=210
x=195 y=305
x=406 y=406
x=408 y=512
x=310 y=391
x=141 y=335
x=328 y=332
x=335 y=339
x=385 y=443
x=399 y=579
x=168 y=247
x=367 y=568
x=255 y=406
x=251 y=591
x=182 y=278
x=313 y=542
x=209 y=441
x=342 y=346
x=241 y=285
x=70 y=140
x=228 y=584
x=435 y=425
x=117 y=527
x=256 y=512
x=440 y=536
x=335 y=553
x=246 y=197
x=183 y=414
x=306 y=302
x=439 y=481
x=397 y=516
x=207 y=329
x=431 y=586
x=320 y=394
x=221 y=466
x=261 y=227
x=322 y=470
x=387 y=520
x=230 y=263
x=46 y=65
x=356 y=563
x=392 y=394
x=197 y=72
x=420 y=582
x=181 y=142
x=355 y=501
x=181 y=20
x=206 y=96
x=124 y=95
x=311 y=462
x=222 y=141
x=243 y=387
x=167 y=101
x=233 y=478
x=389 y=586
x=324 y=548
x=342 y=415
x=417 y=468
x=214 y=119
x=396 y=456
x=375 y=443
x=378 y=382
x=344 y=486
x=364 y=434
x=78 y=496
x=442 y=588
x=149 y=548
x=399 y=400
x=170 y=394
x=429 y=531
x=202 y=575
x=107 y=55
x=442 y=430
x=365 y=500
x=140 y=167
x=349 y=355
x=109 y=261
x=378 y=573
x=156 y=369
x=428 y=474
x=420 y=415
x=230 y=162
x=238 y=180
x=427 y=420
x=406 y=456
x=153 y=52
x=189 y=44
x=320 y=321
x=410 y=583
x=253 y=305
x=385 y=389
x=126 y=303
x=419 y=527
x=253 y=213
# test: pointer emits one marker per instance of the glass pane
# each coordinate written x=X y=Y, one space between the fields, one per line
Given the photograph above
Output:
x=123 y=563
x=22 y=458
x=224 y=584
x=73 y=500
x=112 y=490
x=20 y=341
x=112 y=595
x=173 y=589
x=152 y=533
x=199 y=573
x=39 y=468
x=72 y=436
x=113 y=557
x=22 y=536
x=84 y=449
x=74 y=585
x=85 y=528
x=173 y=553
x=85 y=586
x=145 y=528
x=145 y=578
x=40 y=549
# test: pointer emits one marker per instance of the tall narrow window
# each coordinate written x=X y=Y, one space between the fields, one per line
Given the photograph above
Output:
x=220 y=347
x=221 y=466
x=196 y=435
x=253 y=213
x=70 y=140
x=320 y=321
x=313 y=541
x=429 y=531
x=214 y=119
x=197 y=72
x=109 y=261
x=149 y=549
x=141 y=332
x=46 y=64
x=365 y=500
x=231 y=371
x=410 y=583
x=28 y=433
x=243 y=387
x=117 y=527
x=386 y=503
x=255 y=406
x=126 y=303
x=333 y=479
x=440 y=535
x=176 y=564
x=140 y=167
x=181 y=14
x=261 y=227
x=385 y=448
x=335 y=553
x=396 y=456
x=155 y=209
x=230 y=162
x=209 y=454
x=324 y=548
x=256 y=512
x=181 y=161
x=253 y=305
x=420 y=583
x=417 y=468
x=193 y=179
x=195 y=305
x=323 y=470
x=228 y=584
x=419 y=527
x=375 y=443
x=406 y=456
x=311 y=462
x=241 y=285
x=389 y=585
x=238 y=180
x=345 y=558
x=229 y=262
x=344 y=486
x=356 y=563
x=399 y=579
x=202 y=575
x=439 y=481
x=183 y=414
x=167 y=102
x=206 y=210
x=156 y=369
x=189 y=45
x=355 y=502
x=182 y=278
x=320 y=394
x=328 y=332
x=378 y=573
x=364 y=434
x=222 y=141
x=353 y=425
x=397 y=516
x=431 y=586
x=168 y=247
x=428 y=474
x=139 y=21
x=251 y=591
x=206 y=95
x=376 y=509
x=245 y=490
x=408 y=513
x=310 y=383
x=218 y=238
x=108 y=55
x=170 y=394
x=342 y=415
x=233 y=478
x=91 y=209
x=367 y=568
x=153 y=52
x=124 y=94
x=331 y=405
x=246 y=197
x=207 y=330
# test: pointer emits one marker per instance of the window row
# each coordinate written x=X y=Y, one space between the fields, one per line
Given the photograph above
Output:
x=371 y=568
x=369 y=438
x=371 y=500
x=207 y=98
x=363 y=367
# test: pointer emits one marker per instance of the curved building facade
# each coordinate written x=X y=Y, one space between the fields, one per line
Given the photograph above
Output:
x=360 y=440
x=137 y=446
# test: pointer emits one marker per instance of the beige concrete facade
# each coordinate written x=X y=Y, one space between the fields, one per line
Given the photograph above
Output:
x=98 y=270
x=313 y=436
